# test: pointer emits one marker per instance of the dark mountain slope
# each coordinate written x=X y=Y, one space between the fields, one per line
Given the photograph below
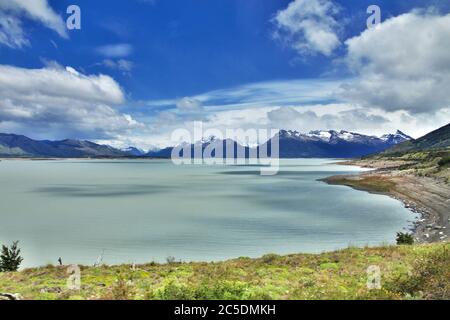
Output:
x=438 y=139
x=18 y=145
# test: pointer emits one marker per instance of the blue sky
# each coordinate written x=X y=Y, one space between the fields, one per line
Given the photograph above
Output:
x=225 y=62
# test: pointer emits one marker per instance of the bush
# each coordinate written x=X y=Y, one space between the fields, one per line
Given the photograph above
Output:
x=270 y=258
x=214 y=290
x=444 y=161
x=172 y=260
x=429 y=278
x=173 y=290
x=121 y=289
x=404 y=238
x=10 y=258
x=222 y=290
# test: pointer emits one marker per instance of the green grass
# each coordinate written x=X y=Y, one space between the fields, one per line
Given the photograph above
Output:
x=366 y=183
x=408 y=272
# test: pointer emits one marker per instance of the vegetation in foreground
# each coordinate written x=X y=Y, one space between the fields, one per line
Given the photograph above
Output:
x=407 y=272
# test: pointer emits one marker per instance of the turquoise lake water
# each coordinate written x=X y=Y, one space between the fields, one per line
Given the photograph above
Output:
x=147 y=210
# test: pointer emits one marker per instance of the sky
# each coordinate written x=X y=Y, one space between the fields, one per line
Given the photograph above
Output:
x=139 y=69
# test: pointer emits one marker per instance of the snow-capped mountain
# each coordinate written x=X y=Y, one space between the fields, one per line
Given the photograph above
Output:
x=325 y=144
x=396 y=138
x=293 y=144
x=334 y=136
x=334 y=144
x=135 y=152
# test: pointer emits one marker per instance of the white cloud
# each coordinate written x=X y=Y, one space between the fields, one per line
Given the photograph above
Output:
x=261 y=94
x=355 y=119
x=301 y=118
x=301 y=105
x=11 y=32
x=309 y=26
x=187 y=104
x=11 y=11
x=115 y=50
x=61 y=103
x=402 y=71
x=335 y=116
x=125 y=66
x=402 y=64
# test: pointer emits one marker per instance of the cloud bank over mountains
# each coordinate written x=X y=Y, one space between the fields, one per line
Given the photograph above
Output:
x=55 y=99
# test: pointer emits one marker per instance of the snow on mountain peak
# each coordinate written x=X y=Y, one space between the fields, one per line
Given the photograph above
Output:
x=208 y=140
x=320 y=134
x=397 y=137
x=133 y=151
x=332 y=136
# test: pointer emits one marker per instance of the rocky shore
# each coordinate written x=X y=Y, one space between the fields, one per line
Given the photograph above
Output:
x=426 y=196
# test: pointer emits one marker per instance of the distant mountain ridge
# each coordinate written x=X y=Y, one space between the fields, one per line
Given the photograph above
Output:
x=12 y=145
x=134 y=151
x=437 y=139
x=315 y=144
x=334 y=144
x=293 y=144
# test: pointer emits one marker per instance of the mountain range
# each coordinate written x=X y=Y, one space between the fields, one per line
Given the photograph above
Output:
x=12 y=145
x=334 y=144
x=315 y=144
x=293 y=144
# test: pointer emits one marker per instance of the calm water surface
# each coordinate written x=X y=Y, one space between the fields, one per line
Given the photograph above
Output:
x=139 y=211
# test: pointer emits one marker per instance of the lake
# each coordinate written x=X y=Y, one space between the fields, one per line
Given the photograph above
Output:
x=124 y=211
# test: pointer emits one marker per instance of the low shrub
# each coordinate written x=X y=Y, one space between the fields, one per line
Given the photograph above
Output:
x=404 y=238
x=429 y=277
x=270 y=258
x=219 y=290
x=121 y=289
x=173 y=290
x=444 y=161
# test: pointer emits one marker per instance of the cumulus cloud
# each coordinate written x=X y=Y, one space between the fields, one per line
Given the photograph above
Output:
x=402 y=64
x=309 y=26
x=335 y=116
x=355 y=119
x=11 y=31
x=62 y=102
x=303 y=118
x=120 y=50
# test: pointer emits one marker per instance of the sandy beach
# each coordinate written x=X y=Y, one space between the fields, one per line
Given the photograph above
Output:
x=429 y=197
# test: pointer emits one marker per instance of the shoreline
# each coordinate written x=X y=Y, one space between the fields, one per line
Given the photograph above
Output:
x=428 y=197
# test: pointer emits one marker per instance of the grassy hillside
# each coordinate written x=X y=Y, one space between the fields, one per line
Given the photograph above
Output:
x=408 y=272
x=427 y=156
x=438 y=139
x=428 y=163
